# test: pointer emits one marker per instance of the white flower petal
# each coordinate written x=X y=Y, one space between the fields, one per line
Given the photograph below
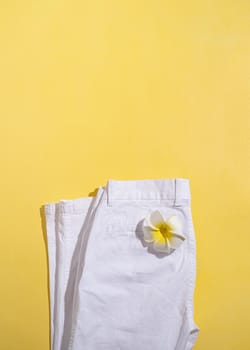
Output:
x=176 y=241
x=147 y=223
x=175 y=223
x=163 y=248
x=155 y=218
x=147 y=235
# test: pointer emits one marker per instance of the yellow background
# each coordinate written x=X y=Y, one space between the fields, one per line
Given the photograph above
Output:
x=96 y=90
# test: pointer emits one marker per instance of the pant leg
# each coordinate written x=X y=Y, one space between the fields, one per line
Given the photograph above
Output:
x=72 y=260
x=64 y=221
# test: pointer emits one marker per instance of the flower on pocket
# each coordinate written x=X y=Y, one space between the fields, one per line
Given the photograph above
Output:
x=165 y=235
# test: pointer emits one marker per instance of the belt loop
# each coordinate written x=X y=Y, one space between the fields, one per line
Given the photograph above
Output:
x=109 y=194
x=175 y=191
x=178 y=193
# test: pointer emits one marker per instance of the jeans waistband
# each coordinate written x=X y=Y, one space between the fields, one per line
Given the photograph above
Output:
x=175 y=190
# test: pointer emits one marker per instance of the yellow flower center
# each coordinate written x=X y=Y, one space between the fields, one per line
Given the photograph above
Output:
x=165 y=230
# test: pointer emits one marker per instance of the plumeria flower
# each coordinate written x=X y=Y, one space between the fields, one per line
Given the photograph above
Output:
x=164 y=234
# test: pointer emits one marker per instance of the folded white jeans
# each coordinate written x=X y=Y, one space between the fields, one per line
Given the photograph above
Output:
x=110 y=289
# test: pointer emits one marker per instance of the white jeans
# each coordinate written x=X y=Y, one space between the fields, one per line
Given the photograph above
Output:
x=108 y=289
